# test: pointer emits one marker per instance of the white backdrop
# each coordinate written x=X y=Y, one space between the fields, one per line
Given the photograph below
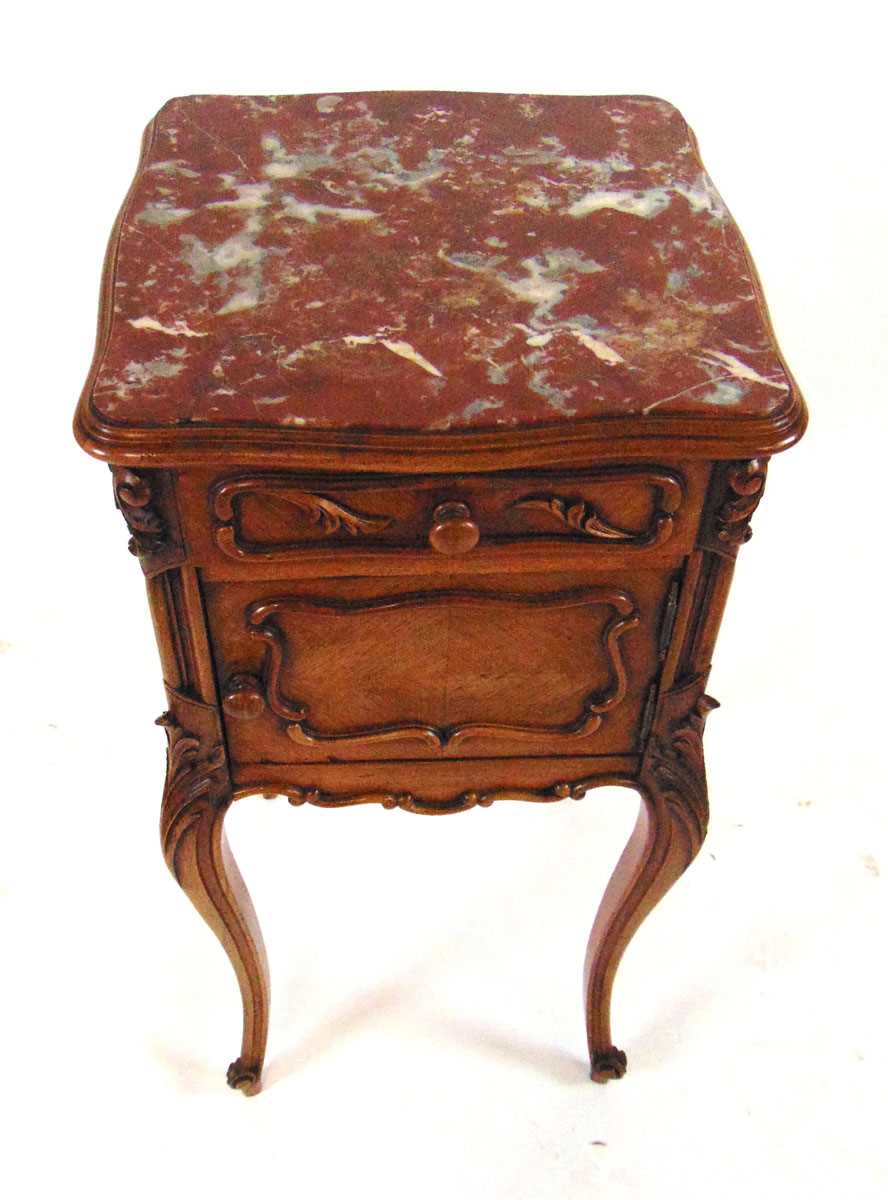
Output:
x=426 y=1034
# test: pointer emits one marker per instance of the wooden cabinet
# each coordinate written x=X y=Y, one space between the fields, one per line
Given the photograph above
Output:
x=437 y=422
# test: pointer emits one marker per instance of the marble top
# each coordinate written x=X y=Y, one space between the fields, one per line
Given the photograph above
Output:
x=428 y=261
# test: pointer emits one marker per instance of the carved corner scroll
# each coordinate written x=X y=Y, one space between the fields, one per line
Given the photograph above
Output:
x=673 y=768
x=583 y=517
x=197 y=779
x=737 y=492
x=330 y=516
x=153 y=539
x=261 y=623
x=133 y=493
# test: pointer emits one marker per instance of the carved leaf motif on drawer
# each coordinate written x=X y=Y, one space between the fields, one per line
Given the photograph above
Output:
x=578 y=515
x=586 y=518
x=296 y=506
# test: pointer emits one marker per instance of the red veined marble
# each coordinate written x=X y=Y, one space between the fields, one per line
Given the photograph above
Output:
x=428 y=261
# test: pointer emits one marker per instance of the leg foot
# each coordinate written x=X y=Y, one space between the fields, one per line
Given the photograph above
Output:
x=668 y=834
x=245 y=1077
x=608 y=1064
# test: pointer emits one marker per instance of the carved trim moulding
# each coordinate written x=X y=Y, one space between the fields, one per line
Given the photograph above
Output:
x=409 y=802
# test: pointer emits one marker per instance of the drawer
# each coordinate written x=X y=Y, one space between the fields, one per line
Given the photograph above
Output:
x=275 y=523
x=368 y=669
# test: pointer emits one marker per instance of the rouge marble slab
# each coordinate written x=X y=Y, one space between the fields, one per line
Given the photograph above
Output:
x=428 y=263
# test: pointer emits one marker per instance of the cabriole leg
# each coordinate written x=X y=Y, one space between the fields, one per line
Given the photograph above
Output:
x=667 y=836
x=196 y=799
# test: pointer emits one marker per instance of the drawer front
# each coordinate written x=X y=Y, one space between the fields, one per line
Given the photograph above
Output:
x=272 y=522
x=366 y=669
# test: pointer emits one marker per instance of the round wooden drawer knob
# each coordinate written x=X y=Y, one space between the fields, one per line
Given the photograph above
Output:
x=453 y=530
x=243 y=698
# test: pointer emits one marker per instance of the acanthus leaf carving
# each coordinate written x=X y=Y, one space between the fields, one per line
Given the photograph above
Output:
x=673 y=768
x=579 y=515
x=134 y=496
x=585 y=518
x=196 y=783
x=333 y=516
x=744 y=486
x=329 y=515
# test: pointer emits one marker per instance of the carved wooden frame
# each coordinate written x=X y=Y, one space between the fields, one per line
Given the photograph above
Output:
x=260 y=623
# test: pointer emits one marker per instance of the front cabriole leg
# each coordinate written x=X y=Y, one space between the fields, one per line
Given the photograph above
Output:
x=196 y=798
x=668 y=834
x=197 y=792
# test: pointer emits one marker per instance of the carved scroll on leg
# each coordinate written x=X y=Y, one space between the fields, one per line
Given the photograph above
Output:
x=670 y=829
x=196 y=798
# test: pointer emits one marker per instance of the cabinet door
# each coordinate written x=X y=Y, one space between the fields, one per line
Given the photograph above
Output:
x=361 y=669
